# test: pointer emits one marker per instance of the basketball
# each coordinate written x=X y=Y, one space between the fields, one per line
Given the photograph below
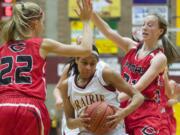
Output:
x=98 y=112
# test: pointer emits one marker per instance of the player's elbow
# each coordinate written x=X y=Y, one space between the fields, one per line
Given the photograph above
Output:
x=70 y=125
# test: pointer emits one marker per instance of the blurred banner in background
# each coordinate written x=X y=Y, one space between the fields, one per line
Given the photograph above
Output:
x=106 y=8
x=150 y=1
x=178 y=22
x=104 y=45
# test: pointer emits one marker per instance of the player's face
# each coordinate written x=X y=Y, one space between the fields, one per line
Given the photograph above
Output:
x=150 y=28
x=87 y=66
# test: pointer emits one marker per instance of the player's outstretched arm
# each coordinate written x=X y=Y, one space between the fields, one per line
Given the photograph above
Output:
x=115 y=80
x=122 y=42
x=84 y=49
x=56 y=91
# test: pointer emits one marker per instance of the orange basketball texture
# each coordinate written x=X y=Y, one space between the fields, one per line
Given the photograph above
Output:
x=98 y=112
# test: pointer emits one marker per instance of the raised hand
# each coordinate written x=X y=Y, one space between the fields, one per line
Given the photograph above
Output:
x=84 y=10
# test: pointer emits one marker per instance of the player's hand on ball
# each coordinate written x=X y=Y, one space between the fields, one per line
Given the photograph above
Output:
x=114 y=120
x=84 y=120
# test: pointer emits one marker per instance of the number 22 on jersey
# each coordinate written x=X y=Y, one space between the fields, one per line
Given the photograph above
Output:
x=16 y=70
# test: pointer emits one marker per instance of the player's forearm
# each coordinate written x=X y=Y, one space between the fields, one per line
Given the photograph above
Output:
x=57 y=94
x=87 y=39
x=101 y=24
x=169 y=91
x=177 y=89
x=73 y=123
x=136 y=101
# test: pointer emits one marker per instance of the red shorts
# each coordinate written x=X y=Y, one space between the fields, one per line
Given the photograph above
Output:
x=147 y=126
x=145 y=131
x=23 y=116
x=168 y=124
x=173 y=125
x=172 y=119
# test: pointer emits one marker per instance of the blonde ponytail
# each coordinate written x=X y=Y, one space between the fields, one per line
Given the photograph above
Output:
x=20 y=25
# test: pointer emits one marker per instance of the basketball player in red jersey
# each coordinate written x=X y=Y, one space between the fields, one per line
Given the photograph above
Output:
x=175 y=87
x=170 y=98
x=143 y=66
x=22 y=68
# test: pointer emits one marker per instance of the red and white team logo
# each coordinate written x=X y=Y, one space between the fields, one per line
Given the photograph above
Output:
x=17 y=47
x=149 y=131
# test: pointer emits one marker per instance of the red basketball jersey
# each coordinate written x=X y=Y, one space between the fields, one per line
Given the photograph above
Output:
x=168 y=119
x=172 y=119
x=22 y=69
x=132 y=70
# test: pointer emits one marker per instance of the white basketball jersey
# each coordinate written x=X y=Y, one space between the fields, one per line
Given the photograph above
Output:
x=94 y=91
x=65 y=130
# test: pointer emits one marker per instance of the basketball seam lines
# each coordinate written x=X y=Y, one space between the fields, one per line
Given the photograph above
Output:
x=102 y=117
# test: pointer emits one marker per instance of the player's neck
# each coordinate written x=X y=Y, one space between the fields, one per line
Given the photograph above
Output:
x=81 y=80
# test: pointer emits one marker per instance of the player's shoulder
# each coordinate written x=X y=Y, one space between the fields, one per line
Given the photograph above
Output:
x=35 y=39
x=160 y=57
